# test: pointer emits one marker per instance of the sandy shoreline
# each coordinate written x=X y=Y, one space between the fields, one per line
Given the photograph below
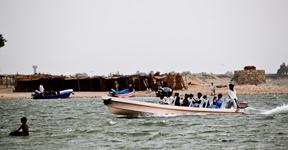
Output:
x=241 y=90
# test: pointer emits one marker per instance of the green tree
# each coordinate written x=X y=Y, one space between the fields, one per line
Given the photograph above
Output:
x=283 y=70
x=2 y=41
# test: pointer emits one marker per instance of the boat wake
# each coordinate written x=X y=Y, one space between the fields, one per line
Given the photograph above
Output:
x=278 y=110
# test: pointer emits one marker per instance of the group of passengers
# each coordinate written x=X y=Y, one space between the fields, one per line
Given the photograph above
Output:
x=202 y=101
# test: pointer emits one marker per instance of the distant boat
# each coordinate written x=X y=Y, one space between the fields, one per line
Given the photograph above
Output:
x=131 y=108
x=123 y=93
x=48 y=95
x=165 y=91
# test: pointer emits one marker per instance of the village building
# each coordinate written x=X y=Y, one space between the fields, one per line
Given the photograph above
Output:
x=250 y=75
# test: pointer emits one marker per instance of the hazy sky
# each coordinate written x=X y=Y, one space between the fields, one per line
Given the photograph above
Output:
x=102 y=37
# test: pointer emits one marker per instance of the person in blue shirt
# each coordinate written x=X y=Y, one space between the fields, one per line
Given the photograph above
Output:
x=218 y=102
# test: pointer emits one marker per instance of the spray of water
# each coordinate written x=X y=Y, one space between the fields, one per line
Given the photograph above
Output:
x=277 y=110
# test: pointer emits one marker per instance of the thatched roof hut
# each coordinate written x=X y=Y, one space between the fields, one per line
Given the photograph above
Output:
x=29 y=83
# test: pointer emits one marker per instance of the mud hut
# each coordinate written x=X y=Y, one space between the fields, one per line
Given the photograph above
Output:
x=250 y=75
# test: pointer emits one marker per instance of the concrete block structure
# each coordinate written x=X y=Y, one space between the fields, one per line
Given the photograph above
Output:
x=249 y=76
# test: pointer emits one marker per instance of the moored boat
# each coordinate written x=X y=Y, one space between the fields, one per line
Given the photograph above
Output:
x=164 y=91
x=131 y=108
x=52 y=95
x=123 y=93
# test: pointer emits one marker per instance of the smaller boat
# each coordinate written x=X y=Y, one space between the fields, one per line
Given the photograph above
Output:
x=164 y=91
x=131 y=108
x=123 y=93
x=52 y=95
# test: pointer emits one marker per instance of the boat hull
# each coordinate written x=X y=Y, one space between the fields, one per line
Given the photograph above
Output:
x=62 y=94
x=132 y=108
x=66 y=95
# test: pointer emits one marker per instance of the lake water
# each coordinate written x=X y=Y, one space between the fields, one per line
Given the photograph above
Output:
x=87 y=124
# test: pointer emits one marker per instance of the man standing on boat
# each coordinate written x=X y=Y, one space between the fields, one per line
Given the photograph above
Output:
x=232 y=97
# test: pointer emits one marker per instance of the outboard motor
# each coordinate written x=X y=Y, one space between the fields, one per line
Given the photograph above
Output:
x=243 y=105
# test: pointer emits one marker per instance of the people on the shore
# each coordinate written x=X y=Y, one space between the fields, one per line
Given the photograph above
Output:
x=24 y=129
x=116 y=84
x=41 y=88
x=232 y=97
x=212 y=89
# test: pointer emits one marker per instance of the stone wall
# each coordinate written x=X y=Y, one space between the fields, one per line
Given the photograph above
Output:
x=248 y=76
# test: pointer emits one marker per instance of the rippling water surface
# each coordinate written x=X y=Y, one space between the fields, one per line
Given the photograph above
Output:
x=87 y=124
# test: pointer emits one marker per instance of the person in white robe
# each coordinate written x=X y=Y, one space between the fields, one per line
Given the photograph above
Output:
x=232 y=100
